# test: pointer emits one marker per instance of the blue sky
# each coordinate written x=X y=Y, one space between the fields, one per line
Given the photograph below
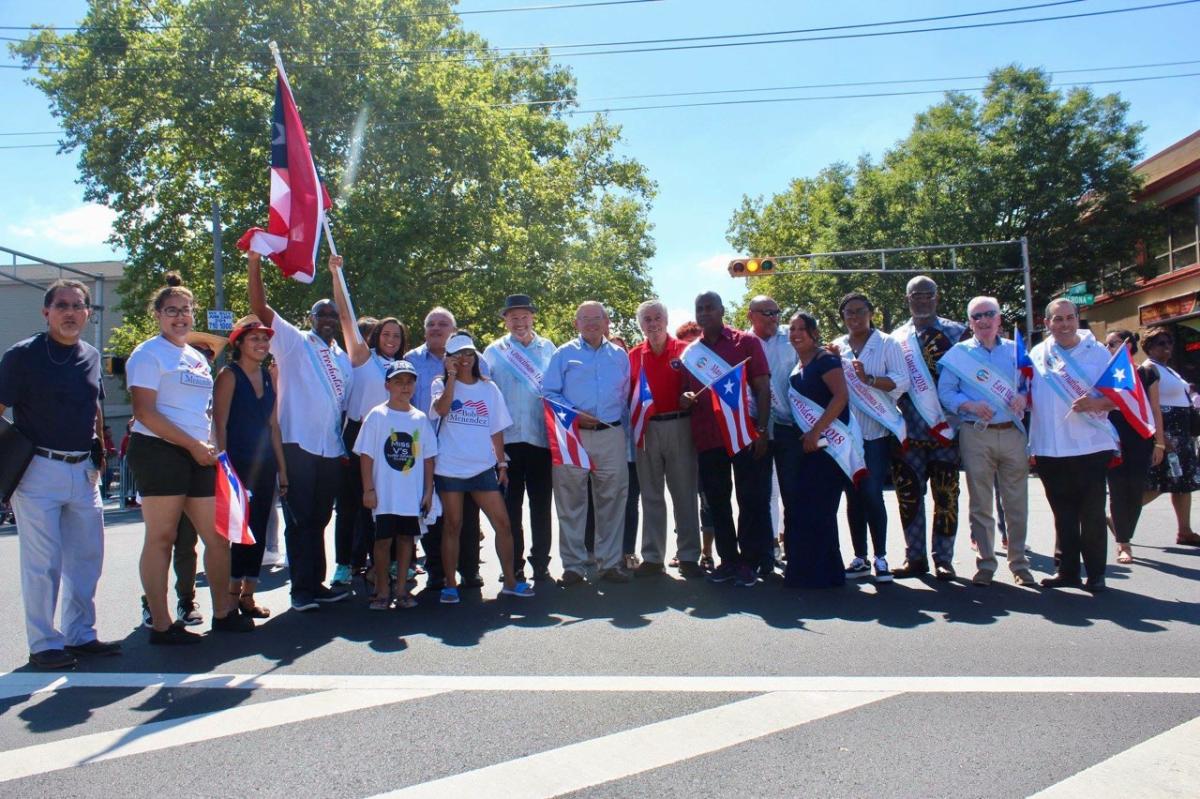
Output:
x=704 y=159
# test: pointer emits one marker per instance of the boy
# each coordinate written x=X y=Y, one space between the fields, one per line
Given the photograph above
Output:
x=397 y=446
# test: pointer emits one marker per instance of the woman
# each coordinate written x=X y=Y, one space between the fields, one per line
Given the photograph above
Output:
x=814 y=559
x=878 y=364
x=469 y=415
x=1178 y=473
x=174 y=463
x=386 y=340
x=1127 y=480
x=247 y=429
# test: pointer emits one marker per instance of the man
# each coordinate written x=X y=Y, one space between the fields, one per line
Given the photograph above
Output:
x=667 y=454
x=978 y=384
x=591 y=375
x=429 y=361
x=1073 y=442
x=927 y=458
x=314 y=382
x=52 y=383
x=517 y=362
x=740 y=549
x=763 y=314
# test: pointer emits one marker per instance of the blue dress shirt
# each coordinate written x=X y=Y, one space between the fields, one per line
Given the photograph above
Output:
x=594 y=380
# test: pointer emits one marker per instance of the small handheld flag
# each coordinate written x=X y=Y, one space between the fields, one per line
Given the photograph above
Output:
x=1121 y=383
x=562 y=429
x=232 y=504
x=731 y=404
x=641 y=403
x=1024 y=365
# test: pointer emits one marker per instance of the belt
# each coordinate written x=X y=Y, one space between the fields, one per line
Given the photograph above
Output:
x=603 y=425
x=1000 y=426
x=666 y=417
x=55 y=455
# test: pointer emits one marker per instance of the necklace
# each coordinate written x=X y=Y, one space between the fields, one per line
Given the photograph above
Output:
x=50 y=355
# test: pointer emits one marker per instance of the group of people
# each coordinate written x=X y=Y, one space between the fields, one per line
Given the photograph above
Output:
x=411 y=444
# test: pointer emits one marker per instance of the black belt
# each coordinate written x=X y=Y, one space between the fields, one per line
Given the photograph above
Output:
x=61 y=456
x=603 y=425
x=666 y=417
x=1000 y=426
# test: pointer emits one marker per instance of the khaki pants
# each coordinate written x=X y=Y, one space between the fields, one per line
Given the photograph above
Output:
x=991 y=455
x=670 y=458
x=610 y=486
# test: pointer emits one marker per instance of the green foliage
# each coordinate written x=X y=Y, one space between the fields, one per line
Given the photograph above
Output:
x=470 y=184
x=1024 y=161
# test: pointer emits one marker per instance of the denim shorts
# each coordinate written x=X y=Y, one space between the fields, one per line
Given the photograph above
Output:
x=484 y=481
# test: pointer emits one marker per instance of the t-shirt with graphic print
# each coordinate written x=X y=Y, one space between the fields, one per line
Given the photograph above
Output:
x=398 y=443
x=465 y=434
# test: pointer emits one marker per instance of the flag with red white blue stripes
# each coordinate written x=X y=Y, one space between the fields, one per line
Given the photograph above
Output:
x=233 y=504
x=731 y=405
x=641 y=403
x=1122 y=384
x=562 y=428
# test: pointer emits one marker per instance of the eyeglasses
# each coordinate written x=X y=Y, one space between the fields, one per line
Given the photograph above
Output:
x=176 y=311
x=63 y=307
x=863 y=311
x=772 y=313
x=978 y=315
x=921 y=295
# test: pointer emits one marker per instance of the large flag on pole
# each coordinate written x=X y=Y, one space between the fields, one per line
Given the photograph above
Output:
x=731 y=404
x=232 y=504
x=298 y=198
x=1121 y=383
x=562 y=428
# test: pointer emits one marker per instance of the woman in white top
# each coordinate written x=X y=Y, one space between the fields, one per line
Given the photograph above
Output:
x=1178 y=474
x=173 y=461
x=469 y=414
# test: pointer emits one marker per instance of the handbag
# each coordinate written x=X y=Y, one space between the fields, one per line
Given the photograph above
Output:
x=16 y=451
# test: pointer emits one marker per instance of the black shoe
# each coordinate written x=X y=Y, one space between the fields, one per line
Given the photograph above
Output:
x=649 y=569
x=1094 y=585
x=174 y=635
x=1060 y=581
x=690 y=570
x=943 y=571
x=95 y=647
x=570 y=578
x=912 y=568
x=233 y=622
x=435 y=584
x=329 y=595
x=52 y=660
x=472 y=581
x=542 y=576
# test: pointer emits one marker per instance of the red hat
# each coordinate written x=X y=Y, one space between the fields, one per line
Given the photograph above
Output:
x=245 y=325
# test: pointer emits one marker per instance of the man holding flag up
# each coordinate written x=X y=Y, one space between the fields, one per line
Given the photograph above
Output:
x=725 y=437
x=663 y=437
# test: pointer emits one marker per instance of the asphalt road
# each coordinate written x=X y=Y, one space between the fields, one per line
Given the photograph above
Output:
x=664 y=686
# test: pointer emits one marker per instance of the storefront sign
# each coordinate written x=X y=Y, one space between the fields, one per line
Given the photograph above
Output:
x=1167 y=310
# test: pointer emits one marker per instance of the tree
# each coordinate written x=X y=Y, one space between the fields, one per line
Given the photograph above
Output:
x=1025 y=160
x=468 y=183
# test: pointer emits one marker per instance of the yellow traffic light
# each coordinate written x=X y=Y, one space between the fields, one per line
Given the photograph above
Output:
x=751 y=267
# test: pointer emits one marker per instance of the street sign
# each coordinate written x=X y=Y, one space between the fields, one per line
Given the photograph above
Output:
x=220 y=321
x=1077 y=289
x=1081 y=299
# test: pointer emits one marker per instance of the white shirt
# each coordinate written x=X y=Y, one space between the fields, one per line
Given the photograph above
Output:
x=398 y=443
x=183 y=380
x=1054 y=430
x=881 y=356
x=311 y=401
x=1172 y=389
x=465 y=435
x=781 y=358
x=367 y=389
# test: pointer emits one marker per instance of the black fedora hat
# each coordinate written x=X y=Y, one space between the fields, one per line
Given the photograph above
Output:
x=517 y=302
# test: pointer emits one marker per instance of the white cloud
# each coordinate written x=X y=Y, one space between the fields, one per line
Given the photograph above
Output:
x=677 y=316
x=718 y=264
x=86 y=226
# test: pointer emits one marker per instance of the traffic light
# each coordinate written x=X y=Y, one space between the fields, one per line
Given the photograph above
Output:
x=751 y=267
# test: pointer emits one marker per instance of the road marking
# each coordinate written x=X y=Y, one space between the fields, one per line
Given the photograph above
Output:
x=623 y=754
x=41 y=758
x=23 y=683
x=1163 y=766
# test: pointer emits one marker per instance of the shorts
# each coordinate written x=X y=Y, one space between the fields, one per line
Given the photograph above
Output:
x=484 y=481
x=163 y=469
x=389 y=526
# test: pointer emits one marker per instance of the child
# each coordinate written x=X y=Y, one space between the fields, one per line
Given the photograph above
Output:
x=397 y=446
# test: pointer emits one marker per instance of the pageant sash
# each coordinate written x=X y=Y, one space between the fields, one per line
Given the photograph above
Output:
x=874 y=403
x=922 y=389
x=982 y=380
x=330 y=376
x=704 y=364
x=1058 y=368
x=843 y=442
x=522 y=365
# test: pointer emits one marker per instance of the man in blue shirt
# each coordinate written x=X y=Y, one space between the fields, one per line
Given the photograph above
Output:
x=591 y=375
x=978 y=383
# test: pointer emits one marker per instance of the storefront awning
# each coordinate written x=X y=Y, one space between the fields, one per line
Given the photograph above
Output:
x=1170 y=310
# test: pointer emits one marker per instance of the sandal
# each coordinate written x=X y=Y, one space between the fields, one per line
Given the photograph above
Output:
x=380 y=603
x=249 y=607
x=406 y=601
x=1124 y=554
x=706 y=563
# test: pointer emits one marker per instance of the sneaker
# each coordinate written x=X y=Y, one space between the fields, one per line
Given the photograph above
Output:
x=174 y=635
x=233 y=622
x=328 y=596
x=882 y=573
x=745 y=577
x=147 y=619
x=858 y=569
x=189 y=613
x=52 y=660
x=723 y=573
x=449 y=596
x=522 y=589
x=342 y=575
x=304 y=603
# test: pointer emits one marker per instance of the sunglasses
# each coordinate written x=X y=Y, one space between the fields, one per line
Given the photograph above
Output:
x=978 y=315
x=771 y=314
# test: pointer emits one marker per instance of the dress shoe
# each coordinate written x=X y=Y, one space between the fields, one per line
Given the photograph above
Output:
x=570 y=578
x=912 y=568
x=52 y=660
x=1061 y=581
x=541 y=575
x=1025 y=578
x=943 y=571
x=471 y=581
x=649 y=568
x=95 y=647
x=690 y=570
x=1095 y=585
x=616 y=575
x=982 y=578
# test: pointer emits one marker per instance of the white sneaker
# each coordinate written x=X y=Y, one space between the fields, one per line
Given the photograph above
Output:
x=882 y=573
x=857 y=569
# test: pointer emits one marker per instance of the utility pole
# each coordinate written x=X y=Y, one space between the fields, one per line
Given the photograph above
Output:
x=218 y=267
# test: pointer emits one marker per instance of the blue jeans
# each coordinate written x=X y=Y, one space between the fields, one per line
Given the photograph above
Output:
x=864 y=505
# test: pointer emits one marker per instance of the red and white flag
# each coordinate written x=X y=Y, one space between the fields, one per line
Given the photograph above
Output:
x=1122 y=384
x=641 y=404
x=731 y=404
x=562 y=428
x=298 y=198
x=233 y=504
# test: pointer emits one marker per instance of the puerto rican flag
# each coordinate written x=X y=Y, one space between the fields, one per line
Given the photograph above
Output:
x=641 y=401
x=731 y=404
x=562 y=428
x=1024 y=365
x=298 y=198
x=1121 y=383
x=233 y=504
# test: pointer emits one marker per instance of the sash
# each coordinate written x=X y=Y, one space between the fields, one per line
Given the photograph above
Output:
x=381 y=363
x=524 y=367
x=1058 y=368
x=980 y=379
x=329 y=375
x=922 y=390
x=843 y=442
x=704 y=364
x=874 y=403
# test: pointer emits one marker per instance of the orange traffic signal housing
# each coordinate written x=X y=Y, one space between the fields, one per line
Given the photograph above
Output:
x=751 y=267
